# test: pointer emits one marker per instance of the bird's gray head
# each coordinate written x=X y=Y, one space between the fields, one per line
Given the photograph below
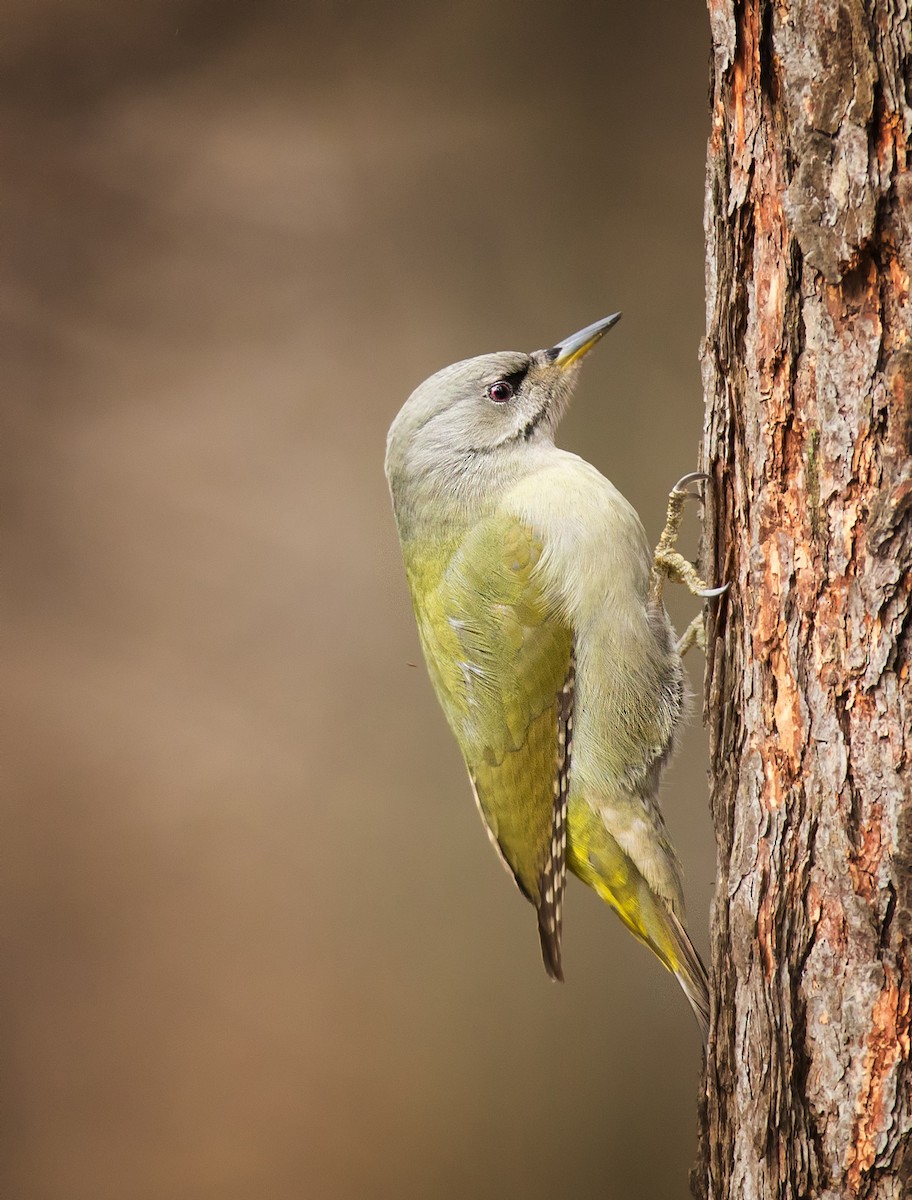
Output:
x=484 y=407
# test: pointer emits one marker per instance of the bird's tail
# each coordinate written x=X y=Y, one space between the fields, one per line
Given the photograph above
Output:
x=612 y=874
x=691 y=974
x=667 y=938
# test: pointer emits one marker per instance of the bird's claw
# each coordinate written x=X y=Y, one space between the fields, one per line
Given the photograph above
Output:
x=709 y=593
x=681 y=488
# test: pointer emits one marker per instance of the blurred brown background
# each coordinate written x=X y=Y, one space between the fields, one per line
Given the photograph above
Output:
x=256 y=942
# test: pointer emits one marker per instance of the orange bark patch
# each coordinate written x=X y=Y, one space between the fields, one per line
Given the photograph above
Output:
x=826 y=915
x=787 y=710
x=890 y=141
x=770 y=641
x=770 y=275
x=745 y=73
x=814 y=903
x=887 y=1040
x=738 y=77
x=865 y=864
x=773 y=783
x=899 y=281
x=718 y=128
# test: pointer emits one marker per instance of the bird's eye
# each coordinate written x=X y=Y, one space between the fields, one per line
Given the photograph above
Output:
x=500 y=392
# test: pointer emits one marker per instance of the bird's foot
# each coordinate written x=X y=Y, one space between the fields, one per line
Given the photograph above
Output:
x=693 y=635
x=667 y=563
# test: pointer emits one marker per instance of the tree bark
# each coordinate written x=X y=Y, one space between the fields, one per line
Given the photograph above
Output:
x=808 y=380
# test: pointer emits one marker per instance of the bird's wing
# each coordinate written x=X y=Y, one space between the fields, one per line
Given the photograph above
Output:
x=501 y=660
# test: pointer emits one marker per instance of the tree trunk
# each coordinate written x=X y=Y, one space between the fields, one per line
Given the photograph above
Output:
x=808 y=380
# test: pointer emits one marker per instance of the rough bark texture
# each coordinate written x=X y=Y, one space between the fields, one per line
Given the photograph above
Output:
x=808 y=379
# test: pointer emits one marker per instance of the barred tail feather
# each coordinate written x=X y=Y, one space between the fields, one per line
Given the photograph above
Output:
x=550 y=936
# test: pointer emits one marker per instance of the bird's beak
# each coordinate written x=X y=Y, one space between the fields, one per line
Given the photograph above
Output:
x=572 y=348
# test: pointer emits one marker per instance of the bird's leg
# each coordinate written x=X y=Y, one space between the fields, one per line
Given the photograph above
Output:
x=667 y=562
x=693 y=635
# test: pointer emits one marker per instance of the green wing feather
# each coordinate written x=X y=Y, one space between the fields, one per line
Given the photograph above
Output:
x=500 y=657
